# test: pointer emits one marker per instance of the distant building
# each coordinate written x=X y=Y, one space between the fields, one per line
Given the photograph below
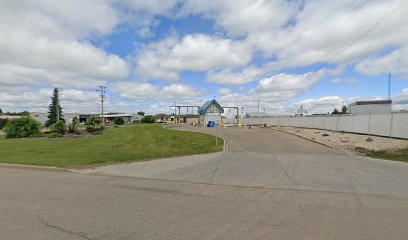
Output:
x=9 y=117
x=83 y=118
x=128 y=117
x=43 y=117
x=370 y=107
x=183 y=118
x=210 y=111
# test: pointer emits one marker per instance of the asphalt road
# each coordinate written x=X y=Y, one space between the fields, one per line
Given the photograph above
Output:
x=268 y=185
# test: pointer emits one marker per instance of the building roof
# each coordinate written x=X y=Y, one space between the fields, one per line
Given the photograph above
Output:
x=118 y=115
x=9 y=117
x=206 y=105
x=373 y=102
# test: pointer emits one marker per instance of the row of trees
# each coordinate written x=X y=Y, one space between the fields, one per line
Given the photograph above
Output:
x=344 y=110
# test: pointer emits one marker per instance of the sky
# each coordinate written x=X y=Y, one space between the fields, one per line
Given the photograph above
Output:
x=151 y=54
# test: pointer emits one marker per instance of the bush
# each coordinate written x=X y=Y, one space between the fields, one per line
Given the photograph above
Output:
x=93 y=120
x=21 y=127
x=92 y=129
x=148 y=119
x=59 y=127
x=74 y=125
x=3 y=123
x=37 y=135
x=119 y=121
x=55 y=135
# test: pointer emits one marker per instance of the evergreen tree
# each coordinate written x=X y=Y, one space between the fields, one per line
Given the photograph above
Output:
x=54 y=108
x=1 y=111
x=344 y=109
x=335 y=111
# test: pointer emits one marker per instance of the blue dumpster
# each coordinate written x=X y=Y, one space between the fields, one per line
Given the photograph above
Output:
x=211 y=124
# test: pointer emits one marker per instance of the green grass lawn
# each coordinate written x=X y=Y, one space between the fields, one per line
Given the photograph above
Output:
x=396 y=155
x=127 y=143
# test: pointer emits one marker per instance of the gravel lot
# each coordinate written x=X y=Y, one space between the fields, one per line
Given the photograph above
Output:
x=349 y=142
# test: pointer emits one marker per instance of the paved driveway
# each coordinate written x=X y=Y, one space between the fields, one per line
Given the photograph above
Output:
x=269 y=185
x=272 y=159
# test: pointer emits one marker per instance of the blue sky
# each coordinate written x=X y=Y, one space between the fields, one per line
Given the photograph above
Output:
x=149 y=54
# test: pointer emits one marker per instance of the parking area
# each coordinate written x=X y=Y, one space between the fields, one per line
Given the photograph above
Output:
x=273 y=159
x=268 y=185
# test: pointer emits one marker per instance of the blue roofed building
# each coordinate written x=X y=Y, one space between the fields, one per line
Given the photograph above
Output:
x=210 y=111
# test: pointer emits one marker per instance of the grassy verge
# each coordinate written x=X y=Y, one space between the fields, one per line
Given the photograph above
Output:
x=128 y=143
x=395 y=155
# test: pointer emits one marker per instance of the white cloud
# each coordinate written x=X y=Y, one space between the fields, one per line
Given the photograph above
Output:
x=318 y=106
x=44 y=43
x=304 y=42
x=198 y=53
x=230 y=77
x=240 y=17
x=344 y=80
x=72 y=100
x=133 y=91
x=395 y=62
x=224 y=91
x=287 y=86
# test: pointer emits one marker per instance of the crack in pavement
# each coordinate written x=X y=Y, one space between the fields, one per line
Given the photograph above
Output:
x=283 y=169
x=79 y=234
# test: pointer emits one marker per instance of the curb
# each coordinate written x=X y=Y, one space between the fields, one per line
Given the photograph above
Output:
x=33 y=167
x=321 y=143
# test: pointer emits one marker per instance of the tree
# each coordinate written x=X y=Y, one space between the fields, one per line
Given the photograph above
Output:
x=54 y=110
x=22 y=127
x=74 y=125
x=59 y=127
x=141 y=113
x=148 y=119
x=1 y=111
x=119 y=121
x=335 y=111
x=344 y=109
x=93 y=120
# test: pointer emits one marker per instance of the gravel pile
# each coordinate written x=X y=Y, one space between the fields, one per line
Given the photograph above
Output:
x=347 y=141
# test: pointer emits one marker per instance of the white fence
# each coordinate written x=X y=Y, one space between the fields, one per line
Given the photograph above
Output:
x=389 y=125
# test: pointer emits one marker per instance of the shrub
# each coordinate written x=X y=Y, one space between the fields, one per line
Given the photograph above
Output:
x=58 y=127
x=93 y=120
x=97 y=121
x=37 y=135
x=3 y=123
x=99 y=132
x=92 y=129
x=119 y=121
x=21 y=127
x=148 y=119
x=55 y=135
x=74 y=125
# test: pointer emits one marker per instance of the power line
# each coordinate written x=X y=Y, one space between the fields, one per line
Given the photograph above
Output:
x=370 y=29
x=340 y=28
x=360 y=36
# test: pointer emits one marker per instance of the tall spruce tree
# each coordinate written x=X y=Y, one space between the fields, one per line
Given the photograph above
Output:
x=54 y=108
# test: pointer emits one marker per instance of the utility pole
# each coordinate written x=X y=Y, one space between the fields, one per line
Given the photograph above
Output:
x=102 y=92
x=389 y=86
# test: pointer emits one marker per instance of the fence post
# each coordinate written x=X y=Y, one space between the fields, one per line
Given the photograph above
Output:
x=352 y=122
x=337 y=124
x=391 y=124
x=369 y=123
